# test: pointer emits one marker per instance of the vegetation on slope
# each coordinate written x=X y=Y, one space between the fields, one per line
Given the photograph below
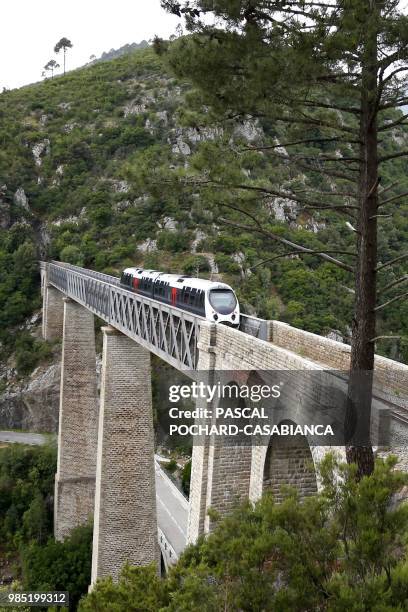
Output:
x=26 y=527
x=96 y=153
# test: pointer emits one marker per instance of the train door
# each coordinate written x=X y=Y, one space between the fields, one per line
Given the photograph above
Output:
x=173 y=295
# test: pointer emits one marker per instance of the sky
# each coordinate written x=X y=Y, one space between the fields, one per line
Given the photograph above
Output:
x=31 y=28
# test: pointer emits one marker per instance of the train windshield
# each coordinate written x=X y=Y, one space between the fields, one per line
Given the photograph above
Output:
x=223 y=300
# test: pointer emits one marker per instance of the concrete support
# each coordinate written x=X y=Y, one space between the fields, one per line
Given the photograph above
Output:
x=125 y=524
x=53 y=312
x=77 y=441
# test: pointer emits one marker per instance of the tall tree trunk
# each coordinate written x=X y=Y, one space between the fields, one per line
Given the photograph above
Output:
x=64 y=60
x=358 y=414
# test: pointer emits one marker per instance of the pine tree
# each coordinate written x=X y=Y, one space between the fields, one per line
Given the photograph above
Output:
x=63 y=44
x=334 y=74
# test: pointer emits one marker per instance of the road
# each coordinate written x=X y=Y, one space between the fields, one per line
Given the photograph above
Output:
x=172 y=507
x=172 y=511
x=22 y=438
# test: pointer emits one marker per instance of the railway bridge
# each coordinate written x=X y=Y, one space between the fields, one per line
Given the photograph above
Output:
x=106 y=464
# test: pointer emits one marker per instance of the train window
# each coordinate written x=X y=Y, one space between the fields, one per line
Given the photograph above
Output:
x=222 y=300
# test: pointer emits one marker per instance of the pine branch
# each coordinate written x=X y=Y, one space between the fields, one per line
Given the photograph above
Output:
x=318 y=122
x=386 y=338
x=329 y=173
x=304 y=166
x=400 y=280
x=395 y=299
x=396 y=197
x=282 y=194
x=392 y=156
x=393 y=73
x=297 y=247
x=395 y=104
x=388 y=188
x=328 y=158
x=393 y=261
x=390 y=59
x=306 y=141
x=390 y=126
x=380 y=216
x=341 y=194
x=343 y=109
x=336 y=252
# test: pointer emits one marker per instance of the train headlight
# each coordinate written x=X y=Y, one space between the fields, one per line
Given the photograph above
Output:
x=215 y=317
x=233 y=317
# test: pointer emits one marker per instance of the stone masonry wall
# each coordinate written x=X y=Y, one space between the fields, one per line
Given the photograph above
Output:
x=390 y=375
x=53 y=313
x=75 y=478
x=125 y=523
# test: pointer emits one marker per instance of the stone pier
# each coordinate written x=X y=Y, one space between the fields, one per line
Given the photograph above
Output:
x=201 y=446
x=77 y=438
x=125 y=523
x=53 y=312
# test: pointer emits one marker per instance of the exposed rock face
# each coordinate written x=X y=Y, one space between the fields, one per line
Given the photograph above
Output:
x=74 y=219
x=162 y=116
x=181 y=147
x=148 y=246
x=199 y=237
x=40 y=149
x=34 y=405
x=120 y=186
x=240 y=259
x=284 y=210
x=212 y=263
x=134 y=108
x=122 y=205
x=248 y=130
x=168 y=223
x=69 y=127
x=21 y=199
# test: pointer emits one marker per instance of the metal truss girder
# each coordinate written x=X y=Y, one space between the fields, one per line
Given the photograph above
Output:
x=168 y=332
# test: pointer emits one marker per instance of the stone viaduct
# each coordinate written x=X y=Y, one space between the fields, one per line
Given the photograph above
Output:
x=106 y=440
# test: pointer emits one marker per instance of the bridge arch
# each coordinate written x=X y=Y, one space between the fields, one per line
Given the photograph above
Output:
x=289 y=461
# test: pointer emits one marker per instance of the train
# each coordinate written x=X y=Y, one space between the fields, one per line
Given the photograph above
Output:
x=211 y=300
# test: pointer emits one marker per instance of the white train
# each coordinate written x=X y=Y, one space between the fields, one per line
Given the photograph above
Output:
x=212 y=300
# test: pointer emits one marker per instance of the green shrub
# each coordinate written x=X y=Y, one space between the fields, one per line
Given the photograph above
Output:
x=171 y=466
x=195 y=264
x=60 y=566
x=186 y=477
x=72 y=254
x=29 y=352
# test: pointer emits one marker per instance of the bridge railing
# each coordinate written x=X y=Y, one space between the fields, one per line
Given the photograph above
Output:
x=107 y=278
x=259 y=328
x=168 y=332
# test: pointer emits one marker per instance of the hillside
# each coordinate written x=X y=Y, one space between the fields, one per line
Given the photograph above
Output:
x=87 y=175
